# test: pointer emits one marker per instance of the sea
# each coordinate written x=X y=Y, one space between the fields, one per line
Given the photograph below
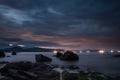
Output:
x=103 y=63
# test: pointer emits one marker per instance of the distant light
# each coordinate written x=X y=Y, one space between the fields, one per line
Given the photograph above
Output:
x=75 y=51
x=80 y=51
x=10 y=44
x=55 y=52
x=118 y=51
x=88 y=51
x=21 y=45
x=111 y=51
x=101 y=51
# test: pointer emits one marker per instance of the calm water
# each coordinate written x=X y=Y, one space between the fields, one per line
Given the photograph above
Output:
x=102 y=63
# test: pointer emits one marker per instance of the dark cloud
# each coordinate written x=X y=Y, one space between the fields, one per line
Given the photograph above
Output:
x=38 y=43
x=11 y=39
x=53 y=22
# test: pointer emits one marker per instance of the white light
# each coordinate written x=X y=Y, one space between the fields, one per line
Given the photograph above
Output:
x=21 y=45
x=80 y=51
x=111 y=51
x=118 y=51
x=10 y=44
x=101 y=51
x=55 y=52
x=75 y=51
x=88 y=51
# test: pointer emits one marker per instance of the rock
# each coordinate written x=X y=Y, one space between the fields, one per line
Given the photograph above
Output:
x=117 y=56
x=70 y=76
x=52 y=74
x=3 y=62
x=59 y=54
x=117 y=78
x=14 y=53
x=15 y=75
x=42 y=58
x=5 y=78
x=23 y=65
x=2 y=54
x=31 y=75
x=29 y=71
x=69 y=56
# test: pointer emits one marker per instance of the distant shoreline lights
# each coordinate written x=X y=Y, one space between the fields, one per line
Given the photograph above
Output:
x=55 y=52
x=101 y=51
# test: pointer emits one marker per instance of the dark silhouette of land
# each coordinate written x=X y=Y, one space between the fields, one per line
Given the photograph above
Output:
x=25 y=49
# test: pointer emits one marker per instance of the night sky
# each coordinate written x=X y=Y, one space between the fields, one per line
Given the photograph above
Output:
x=68 y=24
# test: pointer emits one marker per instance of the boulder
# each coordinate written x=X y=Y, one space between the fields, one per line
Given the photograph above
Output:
x=2 y=54
x=118 y=55
x=28 y=71
x=59 y=54
x=5 y=78
x=69 y=56
x=14 y=53
x=42 y=58
x=30 y=75
x=23 y=65
x=70 y=76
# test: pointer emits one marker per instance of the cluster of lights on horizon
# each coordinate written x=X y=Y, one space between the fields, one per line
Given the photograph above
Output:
x=17 y=45
x=55 y=51
x=100 y=51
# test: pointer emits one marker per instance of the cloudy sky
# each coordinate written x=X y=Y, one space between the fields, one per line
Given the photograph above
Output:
x=68 y=24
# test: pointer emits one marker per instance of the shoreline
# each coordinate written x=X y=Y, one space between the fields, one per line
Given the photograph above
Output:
x=66 y=73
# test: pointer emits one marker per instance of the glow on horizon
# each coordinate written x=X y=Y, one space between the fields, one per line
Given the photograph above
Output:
x=118 y=51
x=21 y=45
x=111 y=51
x=55 y=52
x=80 y=51
x=10 y=44
x=88 y=51
x=101 y=51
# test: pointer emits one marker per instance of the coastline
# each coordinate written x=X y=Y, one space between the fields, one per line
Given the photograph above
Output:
x=42 y=71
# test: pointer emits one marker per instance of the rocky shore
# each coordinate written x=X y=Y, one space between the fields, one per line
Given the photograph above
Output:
x=40 y=71
x=28 y=71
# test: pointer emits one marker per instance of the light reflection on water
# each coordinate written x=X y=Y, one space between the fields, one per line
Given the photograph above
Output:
x=103 y=63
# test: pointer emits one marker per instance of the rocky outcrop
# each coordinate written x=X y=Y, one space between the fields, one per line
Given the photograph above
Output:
x=28 y=71
x=118 y=55
x=70 y=76
x=14 y=53
x=2 y=54
x=42 y=58
x=59 y=54
x=69 y=56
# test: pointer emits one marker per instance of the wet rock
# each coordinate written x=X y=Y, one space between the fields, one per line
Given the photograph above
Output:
x=42 y=58
x=3 y=62
x=117 y=56
x=2 y=54
x=70 y=76
x=117 y=78
x=40 y=67
x=23 y=65
x=5 y=78
x=59 y=54
x=14 y=53
x=15 y=75
x=29 y=71
x=69 y=56
x=30 y=75
x=43 y=79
